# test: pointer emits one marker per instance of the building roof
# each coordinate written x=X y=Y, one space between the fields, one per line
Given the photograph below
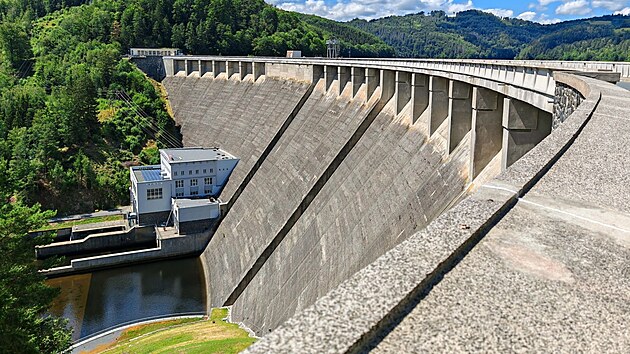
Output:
x=147 y=173
x=183 y=203
x=149 y=48
x=194 y=154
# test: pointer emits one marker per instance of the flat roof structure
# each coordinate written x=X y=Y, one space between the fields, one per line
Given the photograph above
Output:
x=194 y=154
x=147 y=173
x=184 y=203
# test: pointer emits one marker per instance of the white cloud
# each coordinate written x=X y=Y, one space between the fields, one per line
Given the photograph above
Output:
x=535 y=17
x=576 y=7
x=624 y=11
x=455 y=8
x=344 y=10
x=545 y=20
x=500 y=12
x=612 y=5
x=527 y=16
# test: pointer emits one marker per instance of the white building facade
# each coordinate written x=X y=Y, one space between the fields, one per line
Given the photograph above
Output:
x=183 y=176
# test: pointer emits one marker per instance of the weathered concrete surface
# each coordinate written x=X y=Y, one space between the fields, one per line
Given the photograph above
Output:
x=551 y=274
x=554 y=274
x=384 y=191
x=531 y=286
x=314 y=138
x=240 y=117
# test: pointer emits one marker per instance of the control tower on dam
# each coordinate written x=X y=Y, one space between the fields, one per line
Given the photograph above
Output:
x=368 y=187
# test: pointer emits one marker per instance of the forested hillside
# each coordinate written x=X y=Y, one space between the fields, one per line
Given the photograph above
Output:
x=229 y=27
x=602 y=38
x=353 y=42
x=470 y=34
x=74 y=115
x=476 y=34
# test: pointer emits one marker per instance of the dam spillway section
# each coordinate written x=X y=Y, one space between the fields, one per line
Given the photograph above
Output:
x=343 y=160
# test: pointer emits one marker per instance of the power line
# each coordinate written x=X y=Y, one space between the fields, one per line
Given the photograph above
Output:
x=174 y=141
x=167 y=137
x=152 y=128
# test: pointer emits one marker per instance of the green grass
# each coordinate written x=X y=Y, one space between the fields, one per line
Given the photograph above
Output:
x=64 y=224
x=144 y=329
x=192 y=335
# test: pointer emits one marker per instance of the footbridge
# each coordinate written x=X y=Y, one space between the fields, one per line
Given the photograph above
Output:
x=409 y=205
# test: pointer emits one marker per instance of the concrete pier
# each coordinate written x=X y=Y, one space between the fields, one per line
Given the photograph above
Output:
x=438 y=102
x=358 y=79
x=487 y=133
x=403 y=90
x=419 y=95
x=524 y=126
x=344 y=74
x=459 y=112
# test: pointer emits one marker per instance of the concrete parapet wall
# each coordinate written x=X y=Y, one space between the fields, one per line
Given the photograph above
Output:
x=174 y=246
x=99 y=242
x=303 y=73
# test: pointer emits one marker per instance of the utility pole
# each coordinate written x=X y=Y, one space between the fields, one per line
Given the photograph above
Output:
x=332 y=46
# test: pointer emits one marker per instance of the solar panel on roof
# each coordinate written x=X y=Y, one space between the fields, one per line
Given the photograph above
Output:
x=151 y=175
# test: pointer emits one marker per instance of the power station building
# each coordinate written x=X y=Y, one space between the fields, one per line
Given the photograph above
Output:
x=182 y=189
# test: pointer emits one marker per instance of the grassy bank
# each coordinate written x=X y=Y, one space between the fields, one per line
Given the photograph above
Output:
x=212 y=335
x=70 y=223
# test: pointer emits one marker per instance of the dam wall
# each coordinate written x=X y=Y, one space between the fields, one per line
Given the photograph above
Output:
x=242 y=117
x=381 y=194
x=313 y=140
x=370 y=153
x=534 y=261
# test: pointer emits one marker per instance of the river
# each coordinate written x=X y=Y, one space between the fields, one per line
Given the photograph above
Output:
x=107 y=298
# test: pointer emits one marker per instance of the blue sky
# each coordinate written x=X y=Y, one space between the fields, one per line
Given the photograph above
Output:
x=543 y=11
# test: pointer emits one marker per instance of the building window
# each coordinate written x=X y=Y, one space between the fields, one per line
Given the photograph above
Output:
x=154 y=193
x=204 y=171
x=179 y=193
x=175 y=173
x=207 y=189
x=196 y=172
x=179 y=184
x=190 y=172
x=211 y=171
x=193 y=182
x=195 y=192
x=207 y=181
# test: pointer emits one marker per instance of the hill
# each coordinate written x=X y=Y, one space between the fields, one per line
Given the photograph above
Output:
x=62 y=77
x=476 y=34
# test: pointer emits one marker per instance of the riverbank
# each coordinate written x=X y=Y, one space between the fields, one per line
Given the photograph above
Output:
x=211 y=335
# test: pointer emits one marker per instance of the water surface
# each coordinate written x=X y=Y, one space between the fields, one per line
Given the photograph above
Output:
x=107 y=298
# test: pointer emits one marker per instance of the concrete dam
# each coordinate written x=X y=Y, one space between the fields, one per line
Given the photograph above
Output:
x=345 y=162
